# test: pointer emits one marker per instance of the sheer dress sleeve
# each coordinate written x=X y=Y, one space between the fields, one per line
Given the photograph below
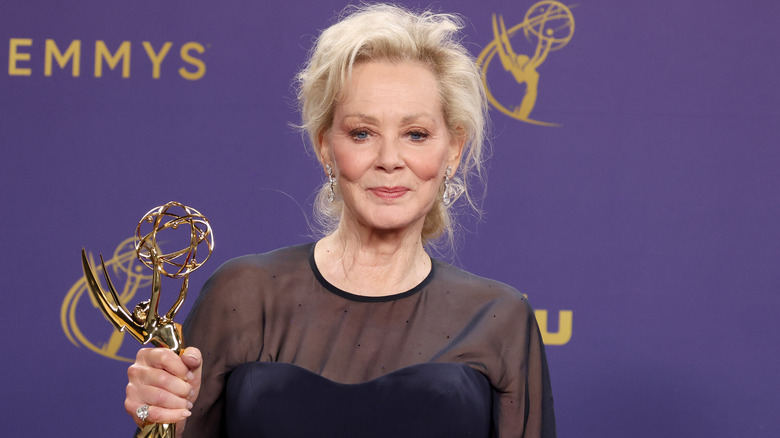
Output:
x=522 y=390
x=503 y=341
x=228 y=334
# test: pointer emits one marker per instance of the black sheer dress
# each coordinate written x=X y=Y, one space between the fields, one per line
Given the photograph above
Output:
x=287 y=354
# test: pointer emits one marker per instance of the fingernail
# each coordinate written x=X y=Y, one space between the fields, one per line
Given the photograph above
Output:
x=190 y=376
x=192 y=356
x=189 y=405
x=192 y=393
x=186 y=414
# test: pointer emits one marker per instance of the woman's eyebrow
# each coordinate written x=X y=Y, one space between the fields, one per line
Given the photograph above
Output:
x=406 y=119
x=416 y=116
x=363 y=117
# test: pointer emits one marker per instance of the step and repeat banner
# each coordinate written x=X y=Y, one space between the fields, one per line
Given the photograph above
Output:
x=633 y=191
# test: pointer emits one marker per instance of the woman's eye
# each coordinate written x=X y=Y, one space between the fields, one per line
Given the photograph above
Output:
x=359 y=134
x=418 y=135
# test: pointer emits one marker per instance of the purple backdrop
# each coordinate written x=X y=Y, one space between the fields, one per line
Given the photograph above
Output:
x=648 y=216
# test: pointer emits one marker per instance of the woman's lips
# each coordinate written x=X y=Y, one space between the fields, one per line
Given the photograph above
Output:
x=389 y=192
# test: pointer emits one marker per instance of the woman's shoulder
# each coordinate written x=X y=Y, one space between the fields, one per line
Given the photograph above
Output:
x=481 y=291
x=241 y=287
x=278 y=258
x=251 y=271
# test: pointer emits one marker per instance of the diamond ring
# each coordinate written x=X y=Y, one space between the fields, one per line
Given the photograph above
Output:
x=142 y=412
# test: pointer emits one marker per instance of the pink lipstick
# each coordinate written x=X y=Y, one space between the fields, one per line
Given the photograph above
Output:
x=389 y=192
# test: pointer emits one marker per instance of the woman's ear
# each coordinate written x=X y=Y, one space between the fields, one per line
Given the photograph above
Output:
x=457 y=143
x=322 y=148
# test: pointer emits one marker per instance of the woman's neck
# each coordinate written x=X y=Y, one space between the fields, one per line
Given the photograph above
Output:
x=372 y=264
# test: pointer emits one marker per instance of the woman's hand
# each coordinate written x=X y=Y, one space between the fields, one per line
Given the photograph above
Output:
x=165 y=382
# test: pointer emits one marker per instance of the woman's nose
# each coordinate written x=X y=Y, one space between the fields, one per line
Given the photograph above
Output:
x=389 y=155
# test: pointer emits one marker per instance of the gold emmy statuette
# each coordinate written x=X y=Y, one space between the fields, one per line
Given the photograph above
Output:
x=145 y=323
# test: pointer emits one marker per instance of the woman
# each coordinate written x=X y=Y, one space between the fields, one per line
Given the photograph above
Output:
x=361 y=333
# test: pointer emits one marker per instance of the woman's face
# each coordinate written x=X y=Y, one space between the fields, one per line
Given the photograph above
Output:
x=389 y=145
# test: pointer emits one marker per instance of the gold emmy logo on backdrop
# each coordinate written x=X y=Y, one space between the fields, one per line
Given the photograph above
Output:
x=145 y=323
x=549 y=26
x=123 y=266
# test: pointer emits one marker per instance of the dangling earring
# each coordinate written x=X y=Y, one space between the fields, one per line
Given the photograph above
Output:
x=332 y=180
x=449 y=191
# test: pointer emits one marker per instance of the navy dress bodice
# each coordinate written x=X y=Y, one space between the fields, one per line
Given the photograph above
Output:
x=279 y=400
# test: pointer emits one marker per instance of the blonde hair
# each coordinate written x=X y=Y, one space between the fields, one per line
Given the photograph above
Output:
x=392 y=33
